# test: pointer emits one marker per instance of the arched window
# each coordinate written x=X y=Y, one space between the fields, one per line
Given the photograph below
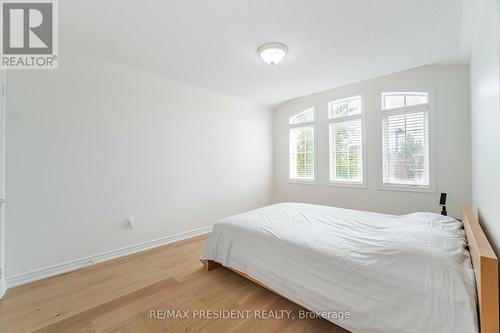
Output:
x=346 y=141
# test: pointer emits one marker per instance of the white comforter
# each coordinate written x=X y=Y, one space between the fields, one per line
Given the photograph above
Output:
x=407 y=273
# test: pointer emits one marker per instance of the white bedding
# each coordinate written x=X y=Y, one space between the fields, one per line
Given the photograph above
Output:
x=409 y=273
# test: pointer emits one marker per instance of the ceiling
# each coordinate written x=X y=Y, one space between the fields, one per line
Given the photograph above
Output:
x=213 y=44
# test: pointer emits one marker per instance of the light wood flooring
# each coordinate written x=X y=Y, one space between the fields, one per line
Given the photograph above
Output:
x=119 y=295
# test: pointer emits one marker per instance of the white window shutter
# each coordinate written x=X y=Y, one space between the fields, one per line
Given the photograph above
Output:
x=346 y=158
x=302 y=150
x=405 y=133
x=346 y=140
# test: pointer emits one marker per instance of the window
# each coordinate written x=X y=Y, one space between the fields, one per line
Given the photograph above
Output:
x=403 y=99
x=405 y=133
x=346 y=140
x=301 y=157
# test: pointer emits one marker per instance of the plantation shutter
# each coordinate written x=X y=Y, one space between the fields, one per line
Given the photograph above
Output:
x=301 y=140
x=346 y=159
x=346 y=140
x=406 y=146
x=302 y=152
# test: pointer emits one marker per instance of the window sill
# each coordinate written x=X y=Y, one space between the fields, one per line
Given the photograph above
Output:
x=347 y=184
x=302 y=182
x=407 y=188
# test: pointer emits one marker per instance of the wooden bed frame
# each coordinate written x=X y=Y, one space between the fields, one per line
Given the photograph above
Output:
x=484 y=262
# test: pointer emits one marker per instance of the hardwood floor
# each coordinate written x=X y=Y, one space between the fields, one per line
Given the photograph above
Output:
x=124 y=295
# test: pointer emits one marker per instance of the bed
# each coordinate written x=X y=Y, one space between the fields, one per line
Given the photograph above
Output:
x=406 y=274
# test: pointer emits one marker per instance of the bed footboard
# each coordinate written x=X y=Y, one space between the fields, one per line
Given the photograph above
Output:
x=210 y=264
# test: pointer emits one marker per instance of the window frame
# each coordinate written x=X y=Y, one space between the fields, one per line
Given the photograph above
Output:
x=362 y=116
x=431 y=119
x=312 y=124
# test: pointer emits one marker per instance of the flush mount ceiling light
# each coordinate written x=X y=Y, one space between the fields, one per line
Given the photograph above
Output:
x=272 y=53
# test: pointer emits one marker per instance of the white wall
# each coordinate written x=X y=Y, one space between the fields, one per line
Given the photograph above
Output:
x=452 y=110
x=95 y=142
x=485 y=119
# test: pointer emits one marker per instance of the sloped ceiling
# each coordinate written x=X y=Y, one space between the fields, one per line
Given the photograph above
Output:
x=213 y=44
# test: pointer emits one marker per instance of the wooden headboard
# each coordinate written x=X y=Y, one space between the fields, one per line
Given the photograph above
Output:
x=485 y=264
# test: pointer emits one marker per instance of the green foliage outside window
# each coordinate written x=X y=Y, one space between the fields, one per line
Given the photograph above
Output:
x=347 y=158
x=410 y=151
x=305 y=153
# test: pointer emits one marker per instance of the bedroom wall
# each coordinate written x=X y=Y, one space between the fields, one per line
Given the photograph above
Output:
x=94 y=142
x=453 y=166
x=485 y=119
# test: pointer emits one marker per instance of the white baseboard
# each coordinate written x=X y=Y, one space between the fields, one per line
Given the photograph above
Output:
x=42 y=273
x=3 y=287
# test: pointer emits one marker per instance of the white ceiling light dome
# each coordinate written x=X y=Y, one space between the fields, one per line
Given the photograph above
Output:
x=272 y=53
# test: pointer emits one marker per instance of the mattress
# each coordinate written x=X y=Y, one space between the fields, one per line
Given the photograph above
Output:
x=410 y=273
